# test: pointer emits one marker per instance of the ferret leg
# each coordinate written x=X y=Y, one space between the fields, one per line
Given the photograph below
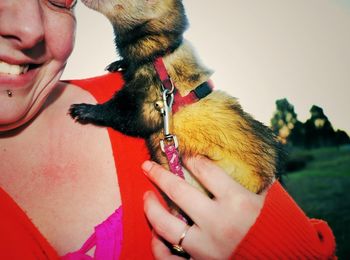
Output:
x=87 y=113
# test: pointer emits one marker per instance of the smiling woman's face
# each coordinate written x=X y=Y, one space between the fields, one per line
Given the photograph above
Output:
x=36 y=39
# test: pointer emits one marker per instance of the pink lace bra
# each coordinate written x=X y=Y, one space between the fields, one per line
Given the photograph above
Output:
x=107 y=240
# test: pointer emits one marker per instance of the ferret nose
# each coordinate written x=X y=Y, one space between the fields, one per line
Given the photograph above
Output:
x=21 y=22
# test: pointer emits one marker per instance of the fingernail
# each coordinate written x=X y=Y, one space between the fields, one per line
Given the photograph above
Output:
x=146 y=166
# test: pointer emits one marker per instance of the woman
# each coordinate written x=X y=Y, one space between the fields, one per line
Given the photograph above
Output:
x=59 y=193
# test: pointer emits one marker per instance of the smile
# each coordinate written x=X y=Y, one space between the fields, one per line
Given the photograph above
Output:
x=17 y=75
x=10 y=69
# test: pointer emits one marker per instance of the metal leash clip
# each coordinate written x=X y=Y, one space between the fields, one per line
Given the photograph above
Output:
x=168 y=100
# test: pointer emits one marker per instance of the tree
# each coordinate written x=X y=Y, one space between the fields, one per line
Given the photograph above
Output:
x=319 y=131
x=341 y=137
x=285 y=124
x=316 y=132
x=297 y=135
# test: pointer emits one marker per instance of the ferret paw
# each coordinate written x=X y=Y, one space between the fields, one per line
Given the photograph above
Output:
x=84 y=113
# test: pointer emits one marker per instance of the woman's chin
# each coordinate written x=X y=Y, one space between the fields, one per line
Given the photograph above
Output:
x=13 y=116
x=11 y=122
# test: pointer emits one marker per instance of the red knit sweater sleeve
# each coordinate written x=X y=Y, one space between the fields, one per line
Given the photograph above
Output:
x=282 y=231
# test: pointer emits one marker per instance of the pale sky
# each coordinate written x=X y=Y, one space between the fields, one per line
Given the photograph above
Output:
x=260 y=51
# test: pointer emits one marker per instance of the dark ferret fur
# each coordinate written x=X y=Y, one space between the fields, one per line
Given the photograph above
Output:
x=215 y=127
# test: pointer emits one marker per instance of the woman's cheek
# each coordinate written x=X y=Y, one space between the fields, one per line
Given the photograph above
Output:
x=61 y=37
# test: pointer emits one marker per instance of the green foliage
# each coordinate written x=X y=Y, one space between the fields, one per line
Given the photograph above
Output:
x=319 y=131
x=321 y=189
x=284 y=119
x=316 y=132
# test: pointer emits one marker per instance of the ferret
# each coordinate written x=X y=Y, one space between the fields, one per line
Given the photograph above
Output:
x=214 y=126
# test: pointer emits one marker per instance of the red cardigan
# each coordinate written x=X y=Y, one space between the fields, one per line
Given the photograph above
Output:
x=281 y=231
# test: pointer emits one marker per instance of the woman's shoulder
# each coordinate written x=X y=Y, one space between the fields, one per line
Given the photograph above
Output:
x=101 y=87
x=90 y=90
x=101 y=79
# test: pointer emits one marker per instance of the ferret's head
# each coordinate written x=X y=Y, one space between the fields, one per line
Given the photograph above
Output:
x=128 y=14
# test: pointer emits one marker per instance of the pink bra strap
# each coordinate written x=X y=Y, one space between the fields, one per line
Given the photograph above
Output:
x=88 y=245
x=107 y=240
x=109 y=237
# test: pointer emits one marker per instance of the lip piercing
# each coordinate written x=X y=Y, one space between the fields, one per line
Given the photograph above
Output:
x=9 y=93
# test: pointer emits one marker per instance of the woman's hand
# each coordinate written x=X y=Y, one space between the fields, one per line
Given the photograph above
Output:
x=220 y=223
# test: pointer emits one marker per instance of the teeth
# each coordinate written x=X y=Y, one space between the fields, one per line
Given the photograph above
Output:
x=13 y=69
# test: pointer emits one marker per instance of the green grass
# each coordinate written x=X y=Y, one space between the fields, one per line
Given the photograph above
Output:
x=322 y=190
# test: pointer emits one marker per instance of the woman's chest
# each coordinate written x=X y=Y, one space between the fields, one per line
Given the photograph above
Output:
x=64 y=180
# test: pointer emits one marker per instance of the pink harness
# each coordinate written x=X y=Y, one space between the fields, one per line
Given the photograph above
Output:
x=172 y=104
x=198 y=93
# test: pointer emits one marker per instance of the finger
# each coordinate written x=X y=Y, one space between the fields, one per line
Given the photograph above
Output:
x=212 y=177
x=161 y=251
x=169 y=227
x=180 y=192
x=172 y=231
x=163 y=222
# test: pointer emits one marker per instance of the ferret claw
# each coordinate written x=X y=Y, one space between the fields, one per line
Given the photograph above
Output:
x=119 y=65
x=81 y=112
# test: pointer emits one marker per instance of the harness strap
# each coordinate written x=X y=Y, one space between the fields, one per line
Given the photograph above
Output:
x=198 y=93
x=195 y=95
x=176 y=101
x=162 y=73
